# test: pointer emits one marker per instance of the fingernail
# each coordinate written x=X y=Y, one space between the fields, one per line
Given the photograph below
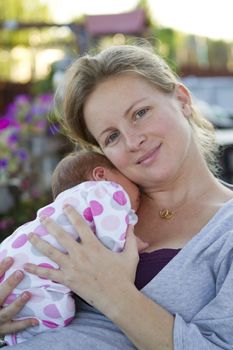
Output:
x=31 y=235
x=66 y=206
x=35 y=323
x=42 y=218
x=26 y=296
x=7 y=260
x=18 y=275
x=26 y=266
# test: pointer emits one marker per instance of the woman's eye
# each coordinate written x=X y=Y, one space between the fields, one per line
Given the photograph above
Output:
x=111 y=138
x=141 y=113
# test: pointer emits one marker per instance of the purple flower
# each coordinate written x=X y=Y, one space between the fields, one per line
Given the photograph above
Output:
x=4 y=123
x=13 y=138
x=38 y=110
x=8 y=121
x=11 y=111
x=3 y=163
x=22 y=154
x=22 y=99
x=47 y=98
x=28 y=117
x=16 y=124
x=41 y=124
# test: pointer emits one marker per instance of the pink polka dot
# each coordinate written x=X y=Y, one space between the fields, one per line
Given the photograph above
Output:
x=111 y=222
x=119 y=197
x=20 y=241
x=41 y=231
x=100 y=192
x=49 y=324
x=96 y=208
x=3 y=254
x=38 y=296
x=52 y=311
x=48 y=211
x=47 y=266
x=88 y=214
x=10 y=299
x=127 y=219
x=68 y=321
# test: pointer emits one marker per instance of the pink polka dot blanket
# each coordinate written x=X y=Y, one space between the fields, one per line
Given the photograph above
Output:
x=106 y=207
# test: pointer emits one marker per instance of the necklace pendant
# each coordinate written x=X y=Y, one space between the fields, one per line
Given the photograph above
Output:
x=166 y=214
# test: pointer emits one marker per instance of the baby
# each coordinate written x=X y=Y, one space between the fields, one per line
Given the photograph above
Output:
x=105 y=198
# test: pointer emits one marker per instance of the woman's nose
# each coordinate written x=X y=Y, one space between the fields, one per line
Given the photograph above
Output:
x=134 y=140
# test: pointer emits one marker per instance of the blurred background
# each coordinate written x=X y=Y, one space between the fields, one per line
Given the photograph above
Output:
x=40 y=38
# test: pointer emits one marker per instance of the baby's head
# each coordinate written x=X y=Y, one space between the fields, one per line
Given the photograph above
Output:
x=85 y=165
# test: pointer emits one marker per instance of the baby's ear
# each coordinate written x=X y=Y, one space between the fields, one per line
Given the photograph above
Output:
x=99 y=173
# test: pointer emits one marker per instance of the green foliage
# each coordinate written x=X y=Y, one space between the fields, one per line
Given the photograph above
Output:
x=219 y=53
x=24 y=210
x=23 y=10
x=165 y=42
x=143 y=4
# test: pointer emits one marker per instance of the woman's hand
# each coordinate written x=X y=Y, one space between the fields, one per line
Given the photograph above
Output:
x=89 y=269
x=9 y=312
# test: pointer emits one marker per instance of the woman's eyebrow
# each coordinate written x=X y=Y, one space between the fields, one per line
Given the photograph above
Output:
x=103 y=132
x=132 y=105
x=125 y=114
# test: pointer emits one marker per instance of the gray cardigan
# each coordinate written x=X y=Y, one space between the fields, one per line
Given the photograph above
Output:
x=196 y=287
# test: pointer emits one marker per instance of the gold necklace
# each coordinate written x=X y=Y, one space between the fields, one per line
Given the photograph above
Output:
x=166 y=214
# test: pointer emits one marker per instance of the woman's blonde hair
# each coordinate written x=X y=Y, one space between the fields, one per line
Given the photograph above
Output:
x=88 y=71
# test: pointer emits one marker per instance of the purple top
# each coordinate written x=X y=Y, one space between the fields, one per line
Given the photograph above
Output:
x=151 y=263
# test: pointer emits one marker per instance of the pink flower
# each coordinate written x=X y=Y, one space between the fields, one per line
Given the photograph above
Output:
x=4 y=123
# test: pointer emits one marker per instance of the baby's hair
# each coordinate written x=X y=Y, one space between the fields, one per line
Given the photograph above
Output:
x=76 y=168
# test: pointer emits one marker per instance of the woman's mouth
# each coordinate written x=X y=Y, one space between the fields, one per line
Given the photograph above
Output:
x=150 y=156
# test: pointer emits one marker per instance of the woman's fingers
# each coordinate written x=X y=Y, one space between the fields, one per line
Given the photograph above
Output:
x=16 y=326
x=141 y=245
x=55 y=275
x=9 y=312
x=5 y=265
x=130 y=252
x=64 y=238
x=131 y=241
x=131 y=248
x=85 y=232
x=47 y=249
x=54 y=254
x=10 y=284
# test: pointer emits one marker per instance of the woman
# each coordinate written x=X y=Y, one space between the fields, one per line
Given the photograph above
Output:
x=127 y=101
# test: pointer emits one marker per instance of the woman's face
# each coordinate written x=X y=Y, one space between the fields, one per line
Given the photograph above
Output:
x=143 y=131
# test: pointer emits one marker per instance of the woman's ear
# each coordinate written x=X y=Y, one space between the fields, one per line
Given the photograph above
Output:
x=98 y=173
x=183 y=95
